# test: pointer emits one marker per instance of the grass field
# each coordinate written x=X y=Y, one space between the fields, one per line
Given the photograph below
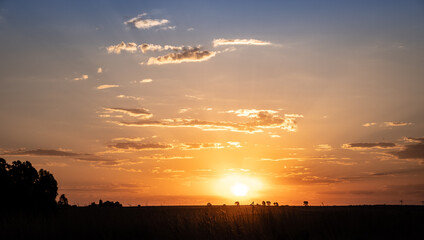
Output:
x=218 y=222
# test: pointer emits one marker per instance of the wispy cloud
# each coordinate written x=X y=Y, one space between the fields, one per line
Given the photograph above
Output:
x=63 y=153
x=128 y=47
x=135 y=112
x=140 y=22
x=167 y=28
x=146 y=80
x=251 y=113
x=43 y=152
x=129 y=97
x=199 y=146
x=145 y=47
x=105 y=86
x=187 y=54
x=263 y=120
x=359 y=146
x=223 y=41
x=140 y=146
x=397 y=124
x=369 y=124
x=323 y=147
x=83 y=77
x=414 y=140
x=412 y=151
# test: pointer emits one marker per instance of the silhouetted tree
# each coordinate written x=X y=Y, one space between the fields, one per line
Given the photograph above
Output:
x=268 y=203
x=63 y=201
x=209 y=204
x=276 y=204
x=237 y=203
x=305 y=203
x=263 y=203
x=23 y=187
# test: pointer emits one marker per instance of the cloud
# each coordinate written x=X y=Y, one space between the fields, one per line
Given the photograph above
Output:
x=135 y=112
x=190 y=29
x=172 y=171
x=280 y=159
x=223 y=41
x=105 y=86
x=146 y=80
x=133 y=188
x=300 y=179
x=145 y=47
x=99 y=70
x=343 y=163
x=43 y=152
x=413 y=140
x=129 y=97
x=140 y=146
x=193 y=97
x=199 y=146
x=167 y=28
x=323 y=147
x=129 y=47
x=83 y=77
x=407 y=171
x=263 y=120
x=369 y=145
x=136 y=139
x=396 y=124
x=187 y=54
x=145 y=23
x=63 y=153
x=413 y=151
x=183 y=110
x=165 y=157
x=369 y=124
x=251 y=113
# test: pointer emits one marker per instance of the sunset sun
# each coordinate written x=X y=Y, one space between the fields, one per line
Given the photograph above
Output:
x=240 y=189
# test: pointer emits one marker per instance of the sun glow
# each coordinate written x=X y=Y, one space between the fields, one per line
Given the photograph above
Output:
x=240 y=189
x=244 y=187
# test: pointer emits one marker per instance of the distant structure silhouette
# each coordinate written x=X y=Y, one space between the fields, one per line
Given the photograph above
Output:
x=23 y=187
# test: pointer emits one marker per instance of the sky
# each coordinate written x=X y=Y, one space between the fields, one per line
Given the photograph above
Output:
x=189 y=102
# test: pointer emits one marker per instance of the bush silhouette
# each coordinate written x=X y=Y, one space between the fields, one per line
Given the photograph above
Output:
x=63 y=201
x=23 y=187
x=106 y=204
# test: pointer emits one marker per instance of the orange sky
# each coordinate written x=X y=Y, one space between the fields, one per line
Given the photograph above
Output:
x=155 y=103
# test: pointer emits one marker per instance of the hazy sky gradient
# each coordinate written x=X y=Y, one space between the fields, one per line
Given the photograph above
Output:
x=307 y=100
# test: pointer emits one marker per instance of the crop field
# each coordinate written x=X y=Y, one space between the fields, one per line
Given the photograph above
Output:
x=218 y=222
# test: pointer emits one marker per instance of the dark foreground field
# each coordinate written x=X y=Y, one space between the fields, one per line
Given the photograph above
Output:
x=217 y=222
